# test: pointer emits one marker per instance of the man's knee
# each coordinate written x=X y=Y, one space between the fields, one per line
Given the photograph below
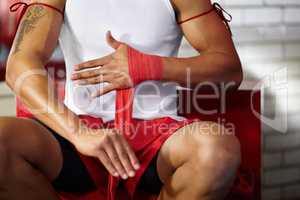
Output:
x=4 y=129
x=221 y=157
x=8 y=137
x=22 y=139
x=215 y=149
x=10 y=143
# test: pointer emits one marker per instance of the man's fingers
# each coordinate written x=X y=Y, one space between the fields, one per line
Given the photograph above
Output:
x=93 y=63
x=115 y=159
x=104 y=159
x=112 y=41
x=93 y=73
x=94 y=80
x=86 y=74
x=104 y=90
x=133 y=159
x=124 y=157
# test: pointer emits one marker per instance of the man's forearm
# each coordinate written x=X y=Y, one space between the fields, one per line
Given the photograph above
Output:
x=212 y=67
x=31 y=84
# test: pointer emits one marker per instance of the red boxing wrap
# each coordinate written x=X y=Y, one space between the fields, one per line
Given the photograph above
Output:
x=144 y=67
x=141 y=67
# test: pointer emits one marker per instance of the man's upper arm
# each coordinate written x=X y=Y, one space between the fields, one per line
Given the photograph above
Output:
x=38 y=31
x=207 y=33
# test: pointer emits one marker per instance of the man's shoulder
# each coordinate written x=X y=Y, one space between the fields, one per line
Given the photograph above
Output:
x=183 y=5
x=60 y=4
x=186 y=7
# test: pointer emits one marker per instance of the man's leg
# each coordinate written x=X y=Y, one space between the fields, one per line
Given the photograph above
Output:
x=198 y=162
x=30 y=158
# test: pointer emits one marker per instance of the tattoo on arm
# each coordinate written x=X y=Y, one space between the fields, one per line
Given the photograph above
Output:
x=28 y=24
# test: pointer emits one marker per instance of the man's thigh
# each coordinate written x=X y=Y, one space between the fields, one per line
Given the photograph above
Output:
x=199 y=138
x=33 y=142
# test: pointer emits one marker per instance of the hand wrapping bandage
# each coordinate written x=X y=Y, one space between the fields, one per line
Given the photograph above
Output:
x=141 y=67
x=144 y=67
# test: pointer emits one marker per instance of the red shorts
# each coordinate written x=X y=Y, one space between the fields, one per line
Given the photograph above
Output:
x=148 y=137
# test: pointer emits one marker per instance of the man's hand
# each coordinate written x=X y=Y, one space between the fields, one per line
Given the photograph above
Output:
x=112 y=68
x=111 y=148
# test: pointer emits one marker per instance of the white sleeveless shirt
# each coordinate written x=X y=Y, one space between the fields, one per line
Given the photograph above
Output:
x=146 y=25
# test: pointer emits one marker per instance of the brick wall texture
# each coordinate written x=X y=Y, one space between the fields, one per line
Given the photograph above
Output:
x=267 y=35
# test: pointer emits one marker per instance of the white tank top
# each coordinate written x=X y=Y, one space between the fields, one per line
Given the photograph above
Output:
x=147 y=25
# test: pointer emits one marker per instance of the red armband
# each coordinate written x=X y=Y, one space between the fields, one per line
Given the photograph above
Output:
x=219 y=10
x=144 y=67
x=14 y=7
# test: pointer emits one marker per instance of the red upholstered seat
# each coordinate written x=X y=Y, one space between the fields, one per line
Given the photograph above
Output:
x=8 y=22
x=239 y=108
x=234 y=112
x=2 y=71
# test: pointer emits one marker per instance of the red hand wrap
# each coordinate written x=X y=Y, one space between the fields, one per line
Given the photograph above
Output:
x=141 y=67
x=144 y=67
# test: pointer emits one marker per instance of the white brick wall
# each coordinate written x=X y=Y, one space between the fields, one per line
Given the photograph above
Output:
x=291 y=192
x=291 y=15
x=292 y=157
x=271 y=194
x=282 y=141
x=281 y=176
x=7 y=101
x=272 y=160
x=267 y=36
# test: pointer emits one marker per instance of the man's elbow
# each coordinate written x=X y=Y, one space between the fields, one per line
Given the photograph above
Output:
x=236 y=73
x=233 y=74
x=239 y=74
x=13 y=70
